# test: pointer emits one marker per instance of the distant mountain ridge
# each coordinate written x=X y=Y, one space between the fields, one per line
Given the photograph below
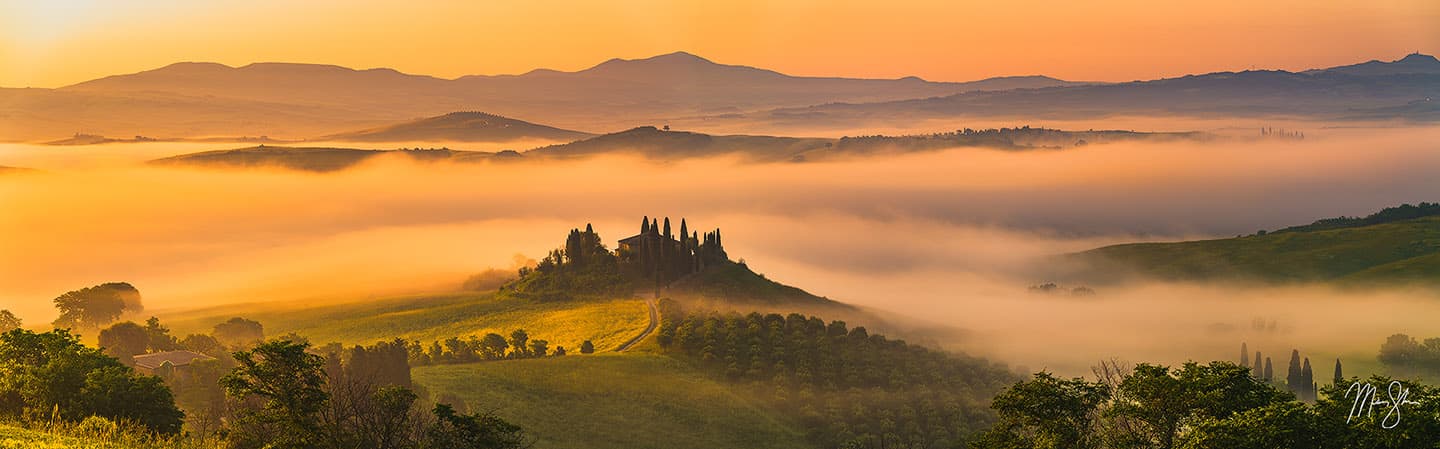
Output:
x=290 y=101
x=1401 y=89
x=1411 y=63
x=209 y=99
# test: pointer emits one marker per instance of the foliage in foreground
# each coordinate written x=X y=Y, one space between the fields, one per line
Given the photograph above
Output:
x=51 y=373
x=286 y=398
x=1217 y=405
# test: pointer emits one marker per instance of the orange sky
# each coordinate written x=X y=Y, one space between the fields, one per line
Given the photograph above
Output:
x=50 y=43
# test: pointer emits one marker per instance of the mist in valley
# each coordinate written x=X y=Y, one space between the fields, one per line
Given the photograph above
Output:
x=950 y=238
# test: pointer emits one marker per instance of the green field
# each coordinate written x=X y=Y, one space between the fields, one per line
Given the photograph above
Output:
x=18 y=438
x=1393 y=253
x=631 y=401
x=606 y=323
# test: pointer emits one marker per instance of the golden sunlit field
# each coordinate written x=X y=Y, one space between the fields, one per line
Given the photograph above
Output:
x=789 y=224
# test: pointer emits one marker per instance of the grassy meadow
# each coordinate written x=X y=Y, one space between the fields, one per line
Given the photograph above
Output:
x=606 y=323
x=632 y=401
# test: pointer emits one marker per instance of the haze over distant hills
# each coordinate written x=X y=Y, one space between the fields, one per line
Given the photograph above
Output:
x=657 y=144
x=307 y=100
x=303 y=101
x=1402 y=89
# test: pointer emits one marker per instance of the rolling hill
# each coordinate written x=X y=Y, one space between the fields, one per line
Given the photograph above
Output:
x=297 y=101
x=308 y=158
x=1405 y=251
x=461 y=127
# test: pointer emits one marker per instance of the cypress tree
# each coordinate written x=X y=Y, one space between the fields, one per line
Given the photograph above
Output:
x=1339 y=377
x=1259 y=370
x=1269 y=372
x=1293 y=377
x=667 y=228
x=645 y=224
x=684 y=235
x=654 y=225
x=1307 y=379
x=1244 y=355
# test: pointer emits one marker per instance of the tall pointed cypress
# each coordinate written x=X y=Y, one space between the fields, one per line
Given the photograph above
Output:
x=645 y=224
x=1292 y=375
x=1259 y=369
x=684 y=234
x=1307 y=380
x=1339 y=376
x=1269 y=371
x=1244 y=355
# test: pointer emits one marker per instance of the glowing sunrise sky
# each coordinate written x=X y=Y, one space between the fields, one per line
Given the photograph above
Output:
x=51 y=43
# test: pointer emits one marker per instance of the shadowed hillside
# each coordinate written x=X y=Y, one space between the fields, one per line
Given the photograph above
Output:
x=461 y=127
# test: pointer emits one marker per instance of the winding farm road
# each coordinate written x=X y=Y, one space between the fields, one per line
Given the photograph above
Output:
x=654 y=323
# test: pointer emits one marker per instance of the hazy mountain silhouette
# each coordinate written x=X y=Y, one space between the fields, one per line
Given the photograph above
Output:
x=292 y=101
x=461 y=127
x=1412 y=63
x=1400 y=89
x=314 y=159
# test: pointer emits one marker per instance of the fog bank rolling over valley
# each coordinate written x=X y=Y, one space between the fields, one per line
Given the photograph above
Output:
x=951 y=236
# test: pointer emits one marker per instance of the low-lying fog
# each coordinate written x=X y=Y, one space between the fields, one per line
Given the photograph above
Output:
x=947 y=237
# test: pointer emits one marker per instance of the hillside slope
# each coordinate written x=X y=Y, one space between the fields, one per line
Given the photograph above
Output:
x=428 y=318
x=1406 y=251
x=461 y=127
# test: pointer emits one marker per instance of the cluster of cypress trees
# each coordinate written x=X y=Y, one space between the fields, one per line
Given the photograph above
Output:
x=658 y=254
x=1299 y=377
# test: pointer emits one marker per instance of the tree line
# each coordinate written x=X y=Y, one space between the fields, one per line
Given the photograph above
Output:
x=1405 y=356
x=1299 y=375
x=491 y=346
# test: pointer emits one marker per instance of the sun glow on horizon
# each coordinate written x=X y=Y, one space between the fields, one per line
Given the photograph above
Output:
x=57 y=43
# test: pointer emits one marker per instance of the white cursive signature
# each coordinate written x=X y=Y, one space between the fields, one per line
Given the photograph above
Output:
x=1365 y=402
